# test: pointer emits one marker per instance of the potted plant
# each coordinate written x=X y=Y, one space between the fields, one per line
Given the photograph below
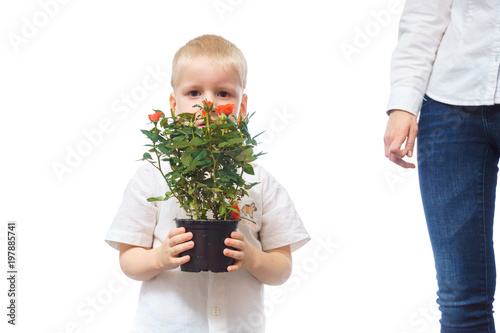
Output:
x=203 y=160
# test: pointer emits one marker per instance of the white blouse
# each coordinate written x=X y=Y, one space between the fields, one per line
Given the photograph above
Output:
x=448 y=50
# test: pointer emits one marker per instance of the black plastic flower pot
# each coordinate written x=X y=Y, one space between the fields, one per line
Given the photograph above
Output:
x=208 y=236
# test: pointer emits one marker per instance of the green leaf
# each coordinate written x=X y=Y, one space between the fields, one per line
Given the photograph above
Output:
x=258 y=134
x=196 y=141
x=186 y=158
x=249 y=186
x=147 y=156
x=223 y=144
x=248 y=169
x=222 y=210
x=201 y=156
x=180 y=144
x=192 y=165
x=163 y=149
x=152 y=136
x=178 y=138
x=224 y=126
x=248 y=152
x=236 y=140
x=156 y=199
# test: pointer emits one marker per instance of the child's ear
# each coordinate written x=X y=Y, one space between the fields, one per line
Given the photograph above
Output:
x=243 y=106
x=173 y=104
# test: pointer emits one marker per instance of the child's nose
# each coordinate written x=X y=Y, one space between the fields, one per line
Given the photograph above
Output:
x=209 y=97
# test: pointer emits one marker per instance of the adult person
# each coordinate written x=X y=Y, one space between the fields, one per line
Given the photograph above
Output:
x=445 y=69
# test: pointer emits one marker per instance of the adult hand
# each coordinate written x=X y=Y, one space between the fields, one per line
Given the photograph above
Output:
x=402 y=126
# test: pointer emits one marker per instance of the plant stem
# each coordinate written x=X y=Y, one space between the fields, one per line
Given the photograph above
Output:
x=158 y=158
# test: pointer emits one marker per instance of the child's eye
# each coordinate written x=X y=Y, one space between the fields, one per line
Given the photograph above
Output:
x=194 y=93
x=223 y=94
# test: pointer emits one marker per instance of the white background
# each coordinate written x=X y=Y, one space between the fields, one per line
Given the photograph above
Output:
x=67 y=69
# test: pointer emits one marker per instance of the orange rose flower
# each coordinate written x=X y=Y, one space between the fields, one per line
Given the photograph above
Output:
x=207 y=103
x=203 y=113
x=156 y=116
x=226 y=108
x=235 y=215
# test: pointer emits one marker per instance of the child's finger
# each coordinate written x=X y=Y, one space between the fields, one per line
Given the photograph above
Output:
x=175 y=250
x=237 y=235
x=179 y=239
x=236 y=255
x=237 y=244
x=233 y=268
x=176 y=231
x=181 y=261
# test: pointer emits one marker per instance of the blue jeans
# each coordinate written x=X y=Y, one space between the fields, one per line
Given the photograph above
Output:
x=458 y=152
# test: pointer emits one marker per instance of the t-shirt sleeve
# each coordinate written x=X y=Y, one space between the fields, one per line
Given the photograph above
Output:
x=136 y=218
x=281 y=224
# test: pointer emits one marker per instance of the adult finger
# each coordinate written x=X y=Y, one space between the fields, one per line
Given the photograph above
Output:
x=412 y=137
x=401 y=162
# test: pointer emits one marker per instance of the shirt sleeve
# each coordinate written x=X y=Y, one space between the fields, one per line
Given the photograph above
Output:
x=136 y=218
x=281 y=224
x=421 y=28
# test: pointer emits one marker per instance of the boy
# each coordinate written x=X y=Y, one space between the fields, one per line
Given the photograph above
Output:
x=206 y=68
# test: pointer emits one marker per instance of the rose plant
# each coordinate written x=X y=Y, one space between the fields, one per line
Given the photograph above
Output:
x=207 y=154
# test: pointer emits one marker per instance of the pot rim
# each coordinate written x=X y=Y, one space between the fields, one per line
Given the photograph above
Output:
x=206 y=221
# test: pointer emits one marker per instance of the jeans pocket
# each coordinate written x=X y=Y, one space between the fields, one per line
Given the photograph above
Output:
x=427 y=100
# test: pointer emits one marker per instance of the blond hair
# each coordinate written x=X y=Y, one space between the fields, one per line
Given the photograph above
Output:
x=214 y=48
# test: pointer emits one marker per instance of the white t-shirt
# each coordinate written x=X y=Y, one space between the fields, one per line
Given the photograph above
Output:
x=176 y=301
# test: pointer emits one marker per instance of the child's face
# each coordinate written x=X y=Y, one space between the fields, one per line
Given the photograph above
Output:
x=200 y=80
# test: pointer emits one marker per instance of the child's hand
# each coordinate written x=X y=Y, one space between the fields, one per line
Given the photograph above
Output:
x=243 y=253
x=271 y=267
x=177 y=241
